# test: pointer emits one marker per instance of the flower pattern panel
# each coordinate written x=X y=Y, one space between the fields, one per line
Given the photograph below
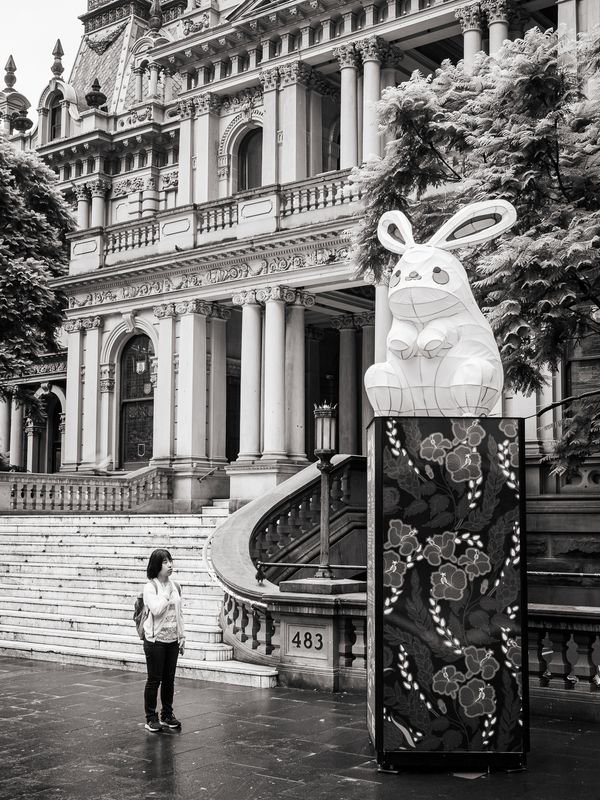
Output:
x=451 y=586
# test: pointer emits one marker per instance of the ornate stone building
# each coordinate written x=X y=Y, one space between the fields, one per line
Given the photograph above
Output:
x=206 y=148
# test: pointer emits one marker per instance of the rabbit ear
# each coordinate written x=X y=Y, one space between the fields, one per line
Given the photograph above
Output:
x=402 y=225
x=476 y=223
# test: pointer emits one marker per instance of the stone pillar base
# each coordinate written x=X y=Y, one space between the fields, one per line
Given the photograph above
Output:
x=251 y=479
x=195 y=485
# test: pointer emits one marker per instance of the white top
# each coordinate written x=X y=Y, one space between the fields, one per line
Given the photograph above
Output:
x=159 y=604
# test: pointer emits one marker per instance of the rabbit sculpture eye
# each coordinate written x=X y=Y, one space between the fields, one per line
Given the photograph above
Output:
x=442 y=358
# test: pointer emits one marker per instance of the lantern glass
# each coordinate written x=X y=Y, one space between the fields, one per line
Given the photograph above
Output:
x=325 y=428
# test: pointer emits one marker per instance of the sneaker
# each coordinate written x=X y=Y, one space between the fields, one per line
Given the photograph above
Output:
x=153 y=726
x=170 y=721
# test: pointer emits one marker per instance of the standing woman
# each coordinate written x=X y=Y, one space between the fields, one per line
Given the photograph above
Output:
x=164 y=639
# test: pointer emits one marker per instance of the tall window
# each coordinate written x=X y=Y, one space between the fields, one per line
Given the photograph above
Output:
x=137 y=402
x=56 y=118
x=250 y=160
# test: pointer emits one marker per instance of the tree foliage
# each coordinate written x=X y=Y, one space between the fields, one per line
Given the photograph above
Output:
x=34 y=222
x=524 y=126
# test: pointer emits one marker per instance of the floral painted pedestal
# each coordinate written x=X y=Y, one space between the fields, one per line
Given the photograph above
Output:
x=446 y=593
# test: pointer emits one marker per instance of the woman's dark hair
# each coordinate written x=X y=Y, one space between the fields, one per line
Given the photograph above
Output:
x=155 y=562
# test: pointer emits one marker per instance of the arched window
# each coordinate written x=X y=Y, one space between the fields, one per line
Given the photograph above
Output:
x=55 y=113
x=250 y=160
x=137 y=402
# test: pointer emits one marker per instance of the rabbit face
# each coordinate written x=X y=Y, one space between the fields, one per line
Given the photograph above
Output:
x=427 y=282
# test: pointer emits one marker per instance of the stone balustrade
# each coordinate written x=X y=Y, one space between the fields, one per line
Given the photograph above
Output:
x=132 y=237
x=147 y=490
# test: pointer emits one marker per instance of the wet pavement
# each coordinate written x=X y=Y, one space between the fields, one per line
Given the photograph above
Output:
x=77 y=732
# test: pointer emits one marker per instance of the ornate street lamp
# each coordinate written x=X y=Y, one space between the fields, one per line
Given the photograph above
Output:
x=325 y=430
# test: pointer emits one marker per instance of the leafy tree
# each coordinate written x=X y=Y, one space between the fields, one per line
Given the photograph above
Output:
x=520 y=127
x=34 y=221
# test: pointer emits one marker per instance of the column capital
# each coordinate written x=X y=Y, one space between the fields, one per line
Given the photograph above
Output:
x=99 y=188
x=296 y=72
x=365 y=319
x=346 y=55
x=194 y=307
x=247 y=298
x=470 y=17
x=393 y=56
x=62 y=422
x=33 y=428
x=344 y=322
x=82 y=324
x=164 y=310
x=269 y=79
x=107 y=377
x=280 y=294
x=207 y=102
x=220 y=312
x=304 y=299
x=186 y=109
x=82 y=191
x=373 y=48
x=498 y=10
x=313 y=333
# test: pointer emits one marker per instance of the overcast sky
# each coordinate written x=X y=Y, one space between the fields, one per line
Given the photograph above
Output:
x=29 y=31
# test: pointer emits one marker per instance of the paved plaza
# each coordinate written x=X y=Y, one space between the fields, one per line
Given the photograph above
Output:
x=77 y=732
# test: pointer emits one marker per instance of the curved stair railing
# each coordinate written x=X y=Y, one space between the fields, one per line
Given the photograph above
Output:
x=283 y=526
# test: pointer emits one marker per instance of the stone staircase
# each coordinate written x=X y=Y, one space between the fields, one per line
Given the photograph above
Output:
x=69 y=584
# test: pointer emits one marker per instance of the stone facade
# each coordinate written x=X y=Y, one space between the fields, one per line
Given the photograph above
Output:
x=210 y=297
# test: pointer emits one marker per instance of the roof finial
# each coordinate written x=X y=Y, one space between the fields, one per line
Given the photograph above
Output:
x=155 y=22
x=95 y=98
x=58 y=53
x=10 y=78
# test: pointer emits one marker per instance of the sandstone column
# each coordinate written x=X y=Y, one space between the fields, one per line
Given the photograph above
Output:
x=164 y=394
x=294 y=77
x=4 y=426
x=98 y=190
x=217 y=387
x=295 y=376
x=191 y=394
x=367 y=323
x=73 y=410
x=373 y=51
x=107 y=400
x=270 y=154
x=347 y=402
x=206 y=142
x=499 y=13
x=16 y=434
x=348 y=61
x=184 y=188
x=34 y=437
x=83 y=206
x=91 y=397
x=250 y=380
x=471 y=21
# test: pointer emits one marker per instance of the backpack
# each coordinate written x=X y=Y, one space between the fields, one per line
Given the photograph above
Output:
x=141 y=611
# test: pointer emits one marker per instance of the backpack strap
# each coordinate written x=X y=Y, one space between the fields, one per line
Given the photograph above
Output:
x=177 y=586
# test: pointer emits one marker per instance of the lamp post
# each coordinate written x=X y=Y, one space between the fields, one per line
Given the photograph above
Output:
x=325 y=430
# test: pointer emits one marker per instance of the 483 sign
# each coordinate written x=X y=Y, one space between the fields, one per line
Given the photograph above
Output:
x=307 y=641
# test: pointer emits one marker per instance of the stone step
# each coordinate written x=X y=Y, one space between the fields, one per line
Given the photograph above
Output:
x=65 y=606
x=110 y=520
x=99 y=625
x=233 y=672
x=196 y=603
x=117 y=553
x=188 y=573
x=131 y=585
x=142 y=532
x=106 y=640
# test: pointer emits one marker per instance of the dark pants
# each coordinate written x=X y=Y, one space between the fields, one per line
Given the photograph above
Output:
x=161 y=660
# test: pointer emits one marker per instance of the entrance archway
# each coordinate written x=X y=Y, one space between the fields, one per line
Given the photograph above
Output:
x=136 y=403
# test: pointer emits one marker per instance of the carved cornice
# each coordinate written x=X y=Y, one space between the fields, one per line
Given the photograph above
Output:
x=169 y=180
x=275 y=294
x=243 y=101
x=346 y=55
x=191 y=307
x=207 y=102
x=127 y=186
x=269 y=79
x=498 y=10
x=470 y=17
x=295 y=72
x=194 y=26
x=82 y=324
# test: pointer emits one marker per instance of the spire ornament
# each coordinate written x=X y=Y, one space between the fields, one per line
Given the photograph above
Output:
x=58 y=53
x=10 y=78
x=95 y=98
x=156 y=19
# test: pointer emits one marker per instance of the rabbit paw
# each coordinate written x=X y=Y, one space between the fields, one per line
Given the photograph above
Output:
x=386 y=391
x=473 y=387
x=402 y=339
x=436 y=338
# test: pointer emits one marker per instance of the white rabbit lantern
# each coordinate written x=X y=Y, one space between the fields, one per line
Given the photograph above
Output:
x=442 y=357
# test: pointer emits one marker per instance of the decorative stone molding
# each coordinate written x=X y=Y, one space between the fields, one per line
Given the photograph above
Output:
x=33 y=428
x=279 y=294
x=127 y=186
x=220 y=312
x=169 y=180
x=100 y=43
x=223 y=165
x=194 y=307
x=186 y=109
x=107 y=377
x=165 y=310
x=269 y=79
x=319 y=84
x=498 y=10
x=373 y=48
x=196 y=25
x=128 y=318
x=394 y=56
x=62 y=425
x=46 y=387
x=346 y=56
x=154 y=371
x=470 y=17
x=243 y=101
x=150 y=184
x=364 y=320
x=139 y=115
x=296 y=72
x=99 y=188
x=241 y=119
x=82 y=324
x=207 y=102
